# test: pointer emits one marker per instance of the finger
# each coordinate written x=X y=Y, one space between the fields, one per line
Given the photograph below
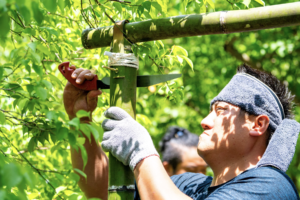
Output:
x=72 y=67
x=106 y=146
x=116 y=113
x=109 y=124
x=76 y=72
x=80 y=77
x=92 y=98
x=89 y=76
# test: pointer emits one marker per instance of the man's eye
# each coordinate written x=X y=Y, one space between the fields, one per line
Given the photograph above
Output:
x=219 y=109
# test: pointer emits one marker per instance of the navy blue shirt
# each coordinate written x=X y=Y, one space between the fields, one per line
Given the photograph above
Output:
x=257 y=183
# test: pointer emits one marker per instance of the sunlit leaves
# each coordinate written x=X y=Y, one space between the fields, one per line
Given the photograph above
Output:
x=246 y=3
x=50 y=5
x=261 y=2
x=211 y=3
x=32 y=144
x=2 y=117
x=5 y=26
x=37 y=13
x=41 y=93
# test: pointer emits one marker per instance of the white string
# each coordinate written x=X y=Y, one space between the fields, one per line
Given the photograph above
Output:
x=122 y=59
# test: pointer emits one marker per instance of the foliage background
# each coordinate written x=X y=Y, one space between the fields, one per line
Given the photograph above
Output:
x=37 y=35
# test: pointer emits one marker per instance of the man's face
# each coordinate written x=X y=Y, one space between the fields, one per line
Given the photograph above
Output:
x=226 y=134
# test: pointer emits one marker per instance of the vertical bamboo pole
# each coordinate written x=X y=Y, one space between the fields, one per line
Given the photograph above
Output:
x=123 y=95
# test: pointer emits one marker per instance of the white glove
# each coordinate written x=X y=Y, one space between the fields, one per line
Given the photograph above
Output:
x=125 y=138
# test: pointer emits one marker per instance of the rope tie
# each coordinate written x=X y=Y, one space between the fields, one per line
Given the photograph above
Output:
x=122 y=59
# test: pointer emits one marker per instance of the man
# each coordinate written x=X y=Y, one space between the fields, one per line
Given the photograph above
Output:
x=248 y=141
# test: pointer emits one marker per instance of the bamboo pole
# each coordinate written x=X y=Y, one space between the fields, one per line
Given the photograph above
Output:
x=199 y=24
x=123 y=95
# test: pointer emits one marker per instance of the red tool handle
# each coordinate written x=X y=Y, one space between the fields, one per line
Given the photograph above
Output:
x=66 y=71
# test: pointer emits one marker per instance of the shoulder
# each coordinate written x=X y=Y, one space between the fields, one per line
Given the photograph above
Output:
x=192 y=184
x=259 y=183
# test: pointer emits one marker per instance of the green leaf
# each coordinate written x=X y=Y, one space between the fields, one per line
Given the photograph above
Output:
x=32 y=144
x=246 y=3
x=82 y=113
x=163 y=5
x=11 y=175
x=80 y=172
x=36 y=57
x=203 y=8
x=157 y=6
x=2 y=118
x=1 y=72
x=48 y=85
x=51 y=115
x=38 y=69
x=62 y=133
x=147 y=5
x=189 y=62
x=61 y=5
x=72 y=140
x=2 y=194
x=41 y=93
x=37 y=13
x=260 y=2
x=74 y=122
x=22 y=103
x=83 y=155
x=50 y=5
x=180 y=59
x=86 y=130
x=178 y=50
x=94 y=131
x=2 y=3
x=5 y=25
x=60 y=188
x=80 y=140
x=43 y=49
x=211 y=3
x=56 y=147
x=25 y=12
x=118 y=6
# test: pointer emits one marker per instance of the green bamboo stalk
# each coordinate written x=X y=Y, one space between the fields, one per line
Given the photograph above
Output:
x=123 y=95
x=199 y=24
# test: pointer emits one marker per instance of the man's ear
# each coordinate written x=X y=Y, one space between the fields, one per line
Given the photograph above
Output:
x=260 y=125
x=168 y=168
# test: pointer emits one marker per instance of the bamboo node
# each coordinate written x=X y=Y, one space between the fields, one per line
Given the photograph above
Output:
x=222 y=21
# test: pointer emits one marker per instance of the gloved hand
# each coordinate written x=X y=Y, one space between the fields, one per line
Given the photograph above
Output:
x=125 y=138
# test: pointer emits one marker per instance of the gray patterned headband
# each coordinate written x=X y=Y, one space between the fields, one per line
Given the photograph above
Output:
x=253 y=96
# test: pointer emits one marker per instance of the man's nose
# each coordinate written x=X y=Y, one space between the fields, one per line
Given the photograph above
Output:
x=207 y=122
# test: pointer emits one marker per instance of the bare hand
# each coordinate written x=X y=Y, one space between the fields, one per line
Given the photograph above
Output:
x=76 y=99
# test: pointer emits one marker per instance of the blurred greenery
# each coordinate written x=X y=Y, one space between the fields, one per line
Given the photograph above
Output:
x=37 y=35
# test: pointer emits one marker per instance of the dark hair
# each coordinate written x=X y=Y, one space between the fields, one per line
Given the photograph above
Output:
x=281 y=90
x=171 y=145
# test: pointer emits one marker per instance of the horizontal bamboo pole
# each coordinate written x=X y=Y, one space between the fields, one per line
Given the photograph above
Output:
x=199 y=24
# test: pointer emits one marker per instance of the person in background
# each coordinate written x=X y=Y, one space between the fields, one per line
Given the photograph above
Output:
x=179 y=152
